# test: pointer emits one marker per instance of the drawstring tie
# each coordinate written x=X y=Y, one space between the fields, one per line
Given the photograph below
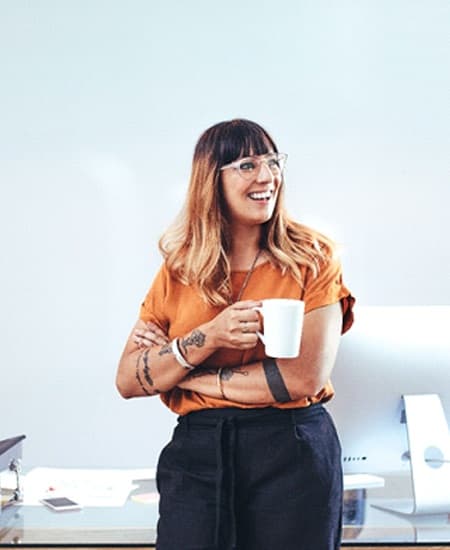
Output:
x=225 y=428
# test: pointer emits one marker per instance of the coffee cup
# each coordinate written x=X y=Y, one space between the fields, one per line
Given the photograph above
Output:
x=283 y=323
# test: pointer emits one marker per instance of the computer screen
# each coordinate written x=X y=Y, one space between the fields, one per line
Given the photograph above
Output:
x=389 y=352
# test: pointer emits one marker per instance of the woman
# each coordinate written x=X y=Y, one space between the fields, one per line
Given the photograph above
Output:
x=254 y=462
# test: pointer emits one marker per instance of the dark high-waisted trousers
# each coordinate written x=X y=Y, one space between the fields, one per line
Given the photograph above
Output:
x=257 y=479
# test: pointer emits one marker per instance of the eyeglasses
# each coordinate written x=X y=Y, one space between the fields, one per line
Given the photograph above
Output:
x=249 y=167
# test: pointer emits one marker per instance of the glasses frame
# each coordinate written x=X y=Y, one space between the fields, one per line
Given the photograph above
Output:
x=281 y=158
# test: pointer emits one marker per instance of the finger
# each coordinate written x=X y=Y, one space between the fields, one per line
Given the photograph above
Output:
x=249 y=343
x=144 y=339
x=245 y=339
x=239 y=326
x=238 y=317
x=150 y=338
x=138 y=341
x=247 y=304
x=244 y=326
x=248 y=316
x=153 y=327
x=249 y=326
x=154 y=338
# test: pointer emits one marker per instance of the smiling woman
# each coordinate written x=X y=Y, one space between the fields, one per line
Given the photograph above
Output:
x=100 y=107
x=196 y=344
x=256 y=179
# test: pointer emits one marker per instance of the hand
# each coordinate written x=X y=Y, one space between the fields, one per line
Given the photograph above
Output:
x=150 y=336
x=235 y=327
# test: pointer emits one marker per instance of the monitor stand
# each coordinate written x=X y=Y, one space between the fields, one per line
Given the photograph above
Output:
x=429 y=450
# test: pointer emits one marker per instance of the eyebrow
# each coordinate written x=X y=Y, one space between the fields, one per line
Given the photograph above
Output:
x=256 y=156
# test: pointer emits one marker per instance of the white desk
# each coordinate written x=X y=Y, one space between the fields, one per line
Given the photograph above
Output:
x=135 y=523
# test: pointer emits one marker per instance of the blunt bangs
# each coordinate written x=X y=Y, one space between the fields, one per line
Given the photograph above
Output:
x=242 y=138
x=227 y=141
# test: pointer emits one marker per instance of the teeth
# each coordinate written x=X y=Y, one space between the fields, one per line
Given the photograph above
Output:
x=260 y=196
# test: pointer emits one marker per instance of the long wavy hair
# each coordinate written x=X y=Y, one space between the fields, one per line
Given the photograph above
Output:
x=196 y=246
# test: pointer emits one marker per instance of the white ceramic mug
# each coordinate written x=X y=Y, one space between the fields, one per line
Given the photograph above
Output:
x=283 y=323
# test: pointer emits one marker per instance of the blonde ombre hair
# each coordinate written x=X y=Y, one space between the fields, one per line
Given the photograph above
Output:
x=197 y=244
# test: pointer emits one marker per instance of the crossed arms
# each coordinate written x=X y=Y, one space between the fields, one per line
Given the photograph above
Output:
x=153 y=368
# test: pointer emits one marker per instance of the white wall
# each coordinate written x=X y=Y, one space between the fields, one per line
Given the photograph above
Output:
x=101 y=103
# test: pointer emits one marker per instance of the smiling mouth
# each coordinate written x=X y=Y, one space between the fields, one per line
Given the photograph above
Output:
x=262 y=196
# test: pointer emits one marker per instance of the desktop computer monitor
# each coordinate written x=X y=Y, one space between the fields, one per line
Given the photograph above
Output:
x=389 y=352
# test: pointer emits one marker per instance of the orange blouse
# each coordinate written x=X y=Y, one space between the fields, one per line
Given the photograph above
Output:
x=177 y=309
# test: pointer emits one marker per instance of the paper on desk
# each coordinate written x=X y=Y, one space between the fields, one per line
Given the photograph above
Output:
x=88 y=487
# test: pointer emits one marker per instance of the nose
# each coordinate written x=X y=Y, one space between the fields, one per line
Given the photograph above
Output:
x=264 y=174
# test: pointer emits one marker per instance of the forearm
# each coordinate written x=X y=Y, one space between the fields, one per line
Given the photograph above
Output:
x=241 y=384
x=140 y=375
x=156 y=368
x=259 y=383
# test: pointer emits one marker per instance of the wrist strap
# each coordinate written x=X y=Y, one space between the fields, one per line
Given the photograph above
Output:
x=179 y=356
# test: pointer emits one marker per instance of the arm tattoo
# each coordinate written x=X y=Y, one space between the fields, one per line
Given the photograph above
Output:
x=227 y=372
x=147 y=376
x=196 y=338
x=167 y=348
x=138 y=376
x=275 y=381
x=197 y=373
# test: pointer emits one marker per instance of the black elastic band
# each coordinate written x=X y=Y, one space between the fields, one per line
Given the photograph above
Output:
x=275 y=381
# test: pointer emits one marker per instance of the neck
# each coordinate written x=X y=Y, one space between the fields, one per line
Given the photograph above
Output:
x=244 y=247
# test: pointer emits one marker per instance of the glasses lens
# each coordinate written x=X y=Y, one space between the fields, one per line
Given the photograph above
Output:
x=249 y=167
x=273 y=162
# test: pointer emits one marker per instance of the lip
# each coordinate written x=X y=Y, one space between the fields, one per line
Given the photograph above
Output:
x=261 y=195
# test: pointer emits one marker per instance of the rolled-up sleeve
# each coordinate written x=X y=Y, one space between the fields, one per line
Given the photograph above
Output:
x=327 y=288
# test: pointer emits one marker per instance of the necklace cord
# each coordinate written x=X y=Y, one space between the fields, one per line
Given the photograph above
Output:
x=247 y=278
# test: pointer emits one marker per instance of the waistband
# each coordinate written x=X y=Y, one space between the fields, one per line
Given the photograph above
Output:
x=248 y=417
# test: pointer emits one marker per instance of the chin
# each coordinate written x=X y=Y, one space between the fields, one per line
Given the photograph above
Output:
x=263 y=219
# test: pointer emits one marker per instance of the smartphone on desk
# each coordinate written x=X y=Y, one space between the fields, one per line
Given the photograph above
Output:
x=61 y=504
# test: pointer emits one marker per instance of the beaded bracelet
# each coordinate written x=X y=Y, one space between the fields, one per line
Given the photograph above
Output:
x=179 y=356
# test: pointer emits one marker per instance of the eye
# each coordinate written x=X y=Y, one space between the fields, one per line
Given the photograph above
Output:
x=247 y=166
x=272 y=162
